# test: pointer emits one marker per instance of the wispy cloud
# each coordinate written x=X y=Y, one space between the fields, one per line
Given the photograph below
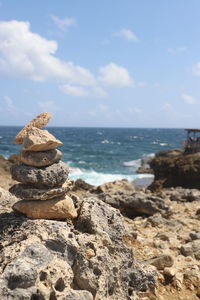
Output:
x=167 y=107
x=127 y=34
x=189 y=99
x=141 y=83
x=9 y=105
x=74 y=90
x=115 y=76
x=196 y=69
x=63 y=24
x=48 y=105
x=177 y=50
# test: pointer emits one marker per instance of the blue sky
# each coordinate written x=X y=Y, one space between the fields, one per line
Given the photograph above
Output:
x=105 y=63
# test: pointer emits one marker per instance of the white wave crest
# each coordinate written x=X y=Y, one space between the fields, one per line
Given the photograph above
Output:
x=150 y=155
x=132 y=163
x=97 y=178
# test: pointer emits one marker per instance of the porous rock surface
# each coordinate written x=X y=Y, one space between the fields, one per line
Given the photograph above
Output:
x=29 y=192
x=40 y=158
x=40 y=121
x=191 y=249
x=57 y=208
x=39 y=140
x=46 y=259
x=49 y=176
x=6 y=199
x=136 y=203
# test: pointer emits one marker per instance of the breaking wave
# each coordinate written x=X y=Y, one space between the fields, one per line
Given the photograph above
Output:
x=97 y=178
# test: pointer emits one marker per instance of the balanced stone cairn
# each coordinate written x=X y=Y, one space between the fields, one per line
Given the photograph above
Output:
x=42 y=175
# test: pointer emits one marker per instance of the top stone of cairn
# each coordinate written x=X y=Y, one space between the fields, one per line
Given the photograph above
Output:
x=39 y=140
x=39 y=122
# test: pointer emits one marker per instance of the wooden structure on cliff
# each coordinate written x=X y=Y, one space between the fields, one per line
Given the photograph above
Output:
x=192 y=144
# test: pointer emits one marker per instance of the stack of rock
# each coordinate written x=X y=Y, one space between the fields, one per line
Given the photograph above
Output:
x=42 y=175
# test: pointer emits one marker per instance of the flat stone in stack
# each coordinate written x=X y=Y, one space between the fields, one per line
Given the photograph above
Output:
x=40 y=158
x=29 y=192
x=59 y=208
x=50 y=176
x=42 y=175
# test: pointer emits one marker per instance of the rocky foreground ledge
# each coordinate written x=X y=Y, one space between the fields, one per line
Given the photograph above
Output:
x=126 y=243
x=84 y=259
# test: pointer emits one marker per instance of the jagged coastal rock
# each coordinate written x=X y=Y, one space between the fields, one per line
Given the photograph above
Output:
x=174 y=168
x=43 y=177
x=51 y=259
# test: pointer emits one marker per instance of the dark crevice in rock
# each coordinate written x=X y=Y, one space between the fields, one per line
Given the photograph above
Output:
x=37 y=297
x=60 y=285
x=55 y=245
x=53 y=296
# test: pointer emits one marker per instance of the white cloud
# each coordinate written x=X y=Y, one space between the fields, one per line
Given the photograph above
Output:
x=177 y=50
x=74 y=90
x=63 y=24
x=188 y=99
x=114 y=75
x=27 y=55
x=126 y=34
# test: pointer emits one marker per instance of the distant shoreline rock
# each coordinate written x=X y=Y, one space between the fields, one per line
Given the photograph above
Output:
x=173 y=168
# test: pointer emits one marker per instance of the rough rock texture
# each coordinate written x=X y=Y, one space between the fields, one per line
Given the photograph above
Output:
x=174 y=168
x=161 y=261
x=40 y=158
x=181 y=195
x=195 y=235
x=45 y=259
x=5 y=177
x=29 y=192
x=137 y=203
x=39 y=140
x=50 y=176
x=58 y=208
x=6 y=200
x=191 y=249
x=40 y=121
x=113 y=187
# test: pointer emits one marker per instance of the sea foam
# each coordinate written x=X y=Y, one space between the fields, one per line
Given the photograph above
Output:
x=98 y=178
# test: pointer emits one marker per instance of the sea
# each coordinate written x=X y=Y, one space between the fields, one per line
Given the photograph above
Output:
x=100 y=155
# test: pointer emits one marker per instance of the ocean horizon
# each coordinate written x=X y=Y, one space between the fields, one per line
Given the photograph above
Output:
x=101 y=154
